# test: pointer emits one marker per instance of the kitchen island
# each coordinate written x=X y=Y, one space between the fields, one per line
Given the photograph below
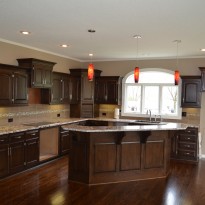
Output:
x=116 y=151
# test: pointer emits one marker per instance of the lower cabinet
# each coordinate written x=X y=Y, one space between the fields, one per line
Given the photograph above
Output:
x=64 y=142
x=18 y=151
x=31 y=148
x=184 y=145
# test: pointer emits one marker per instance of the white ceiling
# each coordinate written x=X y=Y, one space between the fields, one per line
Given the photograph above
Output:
x=56 y=22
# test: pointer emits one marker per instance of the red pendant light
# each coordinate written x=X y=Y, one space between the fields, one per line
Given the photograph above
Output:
x=136 y=74
x=90 y=72
x=136 y=70
x=91 y=66
x=176 y=72
x=176 y=77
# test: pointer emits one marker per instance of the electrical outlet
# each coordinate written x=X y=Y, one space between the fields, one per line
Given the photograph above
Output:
x=104 y=113
x=58 y=115
x=10 y=119
x=183 y=114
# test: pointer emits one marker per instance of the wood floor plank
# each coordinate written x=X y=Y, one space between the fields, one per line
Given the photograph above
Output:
x=49 y=185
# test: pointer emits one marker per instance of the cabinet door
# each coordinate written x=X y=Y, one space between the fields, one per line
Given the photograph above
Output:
x=4 y=159
x=17 y=157
x=65 y=89
x=112 y=92
x=64 y=142
x=56 y=90
x=47 y=78
x=5 y=88
x=20 y=91
x=100 y=91
x=32 y=152
x=37 y=76
x=74 y=89
x=191 y=93
x=87 y=88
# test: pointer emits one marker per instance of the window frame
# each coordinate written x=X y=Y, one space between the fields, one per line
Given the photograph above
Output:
x=124 y=95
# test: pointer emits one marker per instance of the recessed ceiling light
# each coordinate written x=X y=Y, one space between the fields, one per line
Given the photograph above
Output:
x=64 y=45
x=25 y=32
x=90 y=54
x=137 y=36
x=202 y=49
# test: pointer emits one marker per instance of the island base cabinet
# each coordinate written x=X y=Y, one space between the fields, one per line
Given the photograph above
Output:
x=4 y=158
x=97 y=158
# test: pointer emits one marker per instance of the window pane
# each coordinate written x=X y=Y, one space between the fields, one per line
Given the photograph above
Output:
x=151 y=99
x=169 y=99
x=133 y=98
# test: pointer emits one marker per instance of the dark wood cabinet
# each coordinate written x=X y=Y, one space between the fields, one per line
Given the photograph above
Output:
x=107 y=90
x=32 y=148
x=74 y=89
x=14 y=81
x=64 y=142
x=202 y=69
x=84 y=107
x=191 y=91
x=40 y=71
x=184 y=145
x=4 y=156
x=17 y=153
x=59 y=92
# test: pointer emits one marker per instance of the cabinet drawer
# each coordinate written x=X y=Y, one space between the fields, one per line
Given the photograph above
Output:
x=32 y=134
x=16 y=137
x=189 y=130
x=4 y=139
x=187 y=146
x=187 y=138
x=186 y=154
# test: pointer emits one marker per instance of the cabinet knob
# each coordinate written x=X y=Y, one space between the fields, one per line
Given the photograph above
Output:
x=12 y=100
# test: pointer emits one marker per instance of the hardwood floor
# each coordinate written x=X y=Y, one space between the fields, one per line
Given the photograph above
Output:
x=49 y=185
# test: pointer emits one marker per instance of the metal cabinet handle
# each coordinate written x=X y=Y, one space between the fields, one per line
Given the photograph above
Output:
x=18 y=137
x=2 y=140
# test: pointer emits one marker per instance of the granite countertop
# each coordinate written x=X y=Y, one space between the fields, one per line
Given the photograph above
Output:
x=153 y=127
x=67 y=124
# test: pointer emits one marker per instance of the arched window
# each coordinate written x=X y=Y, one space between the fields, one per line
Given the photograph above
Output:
x=155 y=91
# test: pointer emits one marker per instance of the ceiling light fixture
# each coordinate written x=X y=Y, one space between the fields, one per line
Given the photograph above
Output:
x=64 y=45
x=176 y=72
x=137 y=70
x=91 y=66
x=25 y=32
x=202 y=49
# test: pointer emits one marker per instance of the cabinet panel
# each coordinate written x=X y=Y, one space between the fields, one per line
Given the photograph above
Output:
x=32 y=148
x=74 y=89
x=20 y=88
x=6 y=88
x=191 y=91
x=64 y=143
x=4 y=159
x=107 y=90
x=17 y=157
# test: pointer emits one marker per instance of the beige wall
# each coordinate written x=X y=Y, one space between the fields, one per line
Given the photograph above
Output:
x=186 y=66
x=9 y=53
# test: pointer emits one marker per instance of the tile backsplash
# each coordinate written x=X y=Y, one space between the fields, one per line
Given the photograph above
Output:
x=30 y=113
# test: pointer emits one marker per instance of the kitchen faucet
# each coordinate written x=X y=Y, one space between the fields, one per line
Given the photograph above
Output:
x=150 y=114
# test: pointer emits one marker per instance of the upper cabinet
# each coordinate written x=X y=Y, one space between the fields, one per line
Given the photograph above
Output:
x=107 y=90
x=59 y=92
x=13 y=89
x=41 y=71
x=82 y=94
x=191 y=91
x=202 y=78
